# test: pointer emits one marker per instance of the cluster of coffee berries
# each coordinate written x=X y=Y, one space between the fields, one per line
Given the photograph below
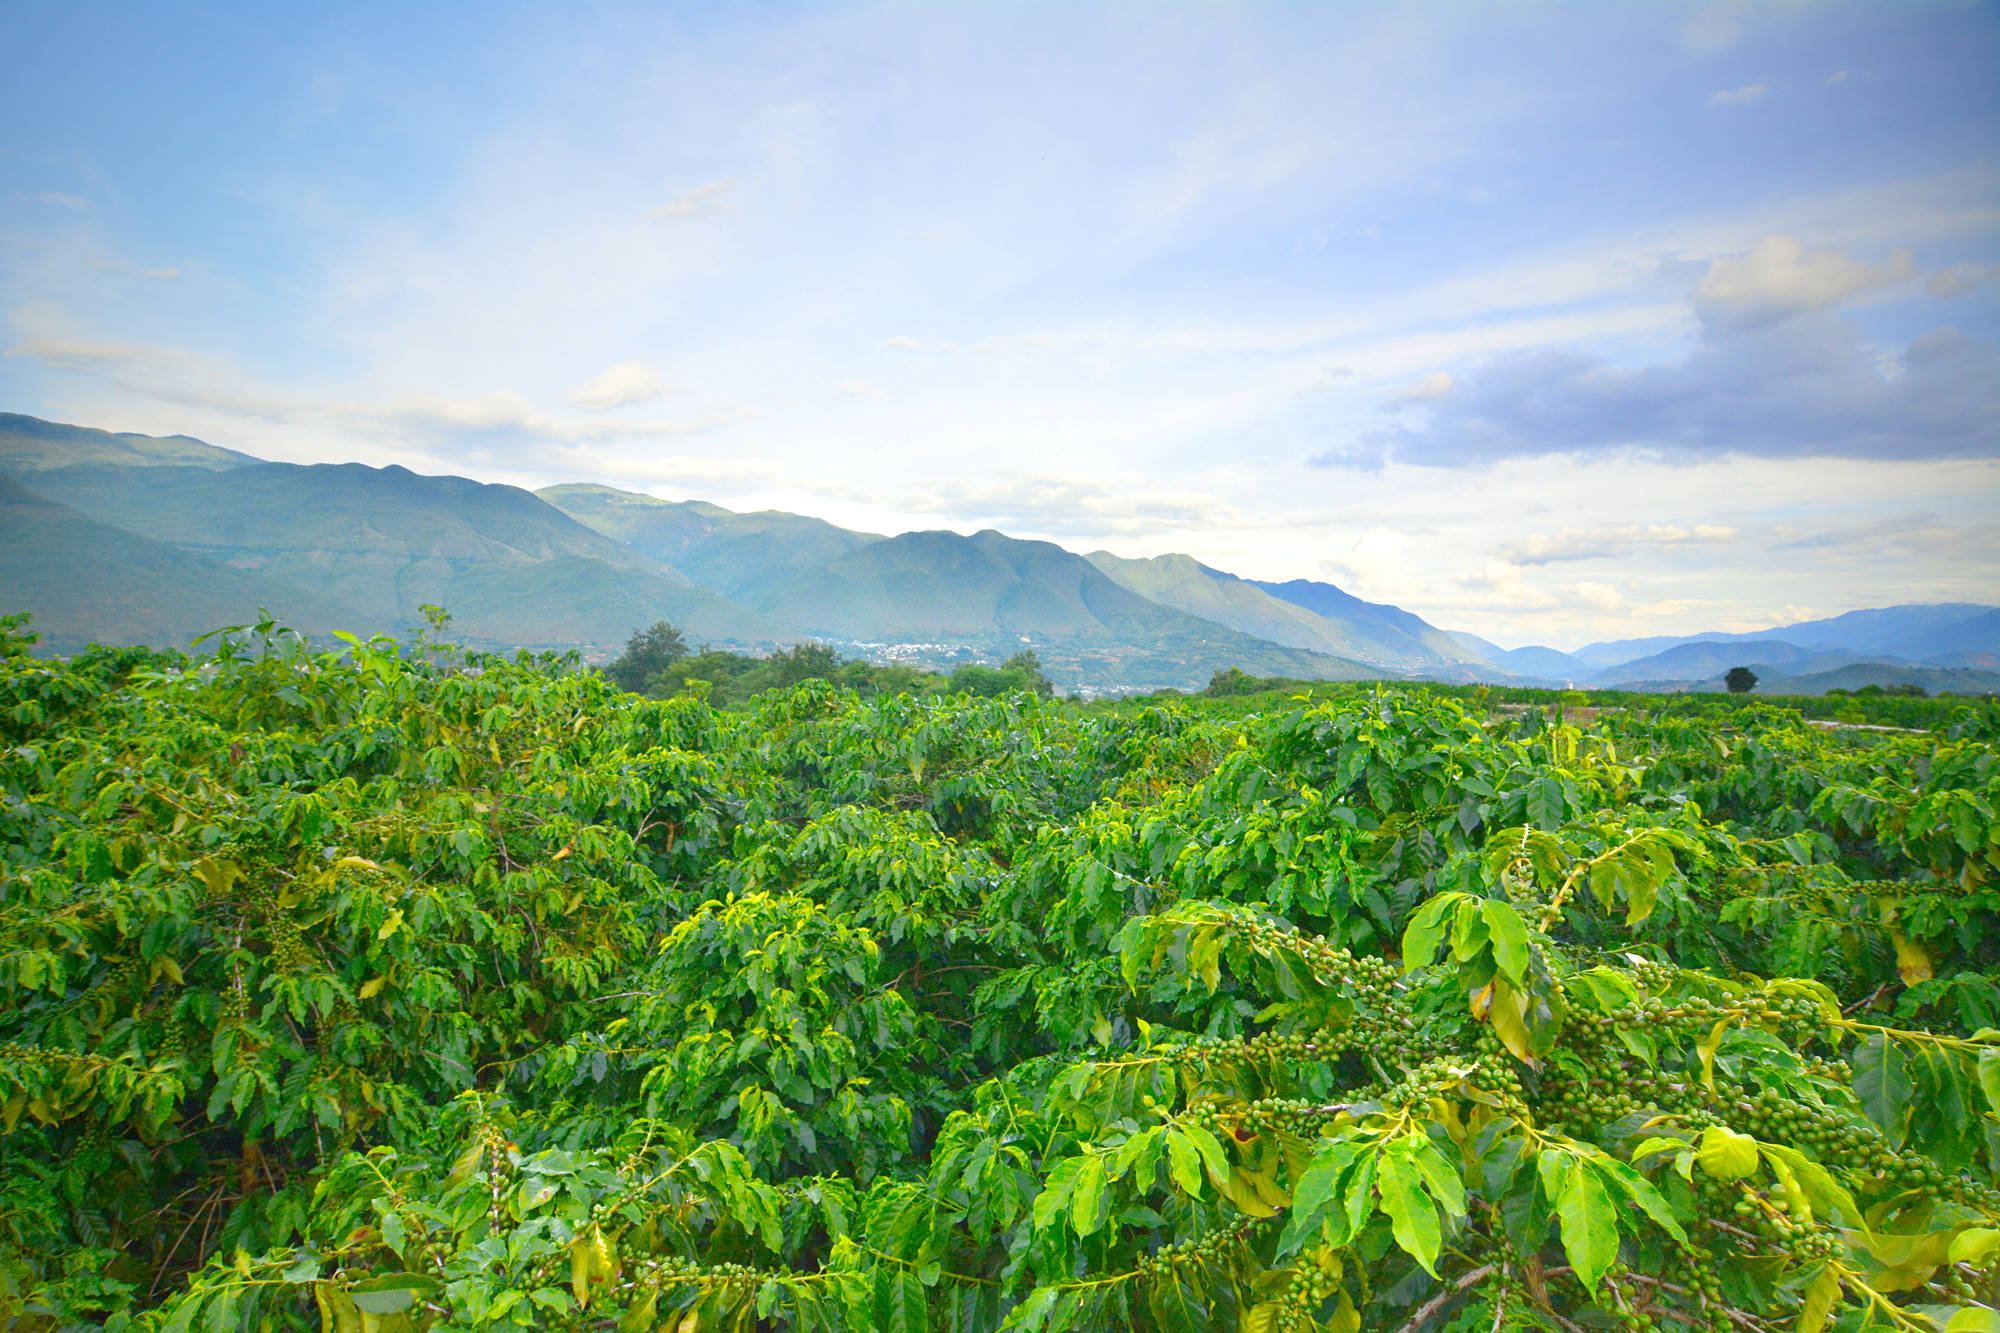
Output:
x=1311 y=1286
x=1219 y=1244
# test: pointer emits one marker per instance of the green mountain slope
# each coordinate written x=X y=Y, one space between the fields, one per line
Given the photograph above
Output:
x=1185 y=584
x=512 y=569
x=1365 y=635
x=1392 y=635
x=999 y=594
x=86 y=581
x=29 y=445
x=742 y=555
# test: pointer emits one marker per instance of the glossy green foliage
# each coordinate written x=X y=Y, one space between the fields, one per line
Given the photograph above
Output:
x=391 y=989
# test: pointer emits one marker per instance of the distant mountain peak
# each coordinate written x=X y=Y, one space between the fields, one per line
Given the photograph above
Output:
x=29 y=445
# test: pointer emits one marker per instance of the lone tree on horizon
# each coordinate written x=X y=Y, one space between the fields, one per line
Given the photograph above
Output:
x=1740 y=680
x=647 y=653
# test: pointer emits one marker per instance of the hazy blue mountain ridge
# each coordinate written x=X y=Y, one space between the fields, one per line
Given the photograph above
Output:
x=1534 y=661
x=512 y=570
x=1185 y=584
x=1397 y=635
x=1913 y=632
x=1713 y=658
x=130 y=538
x=87 y=581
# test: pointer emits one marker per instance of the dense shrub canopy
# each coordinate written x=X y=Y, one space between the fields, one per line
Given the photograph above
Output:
x=393 y=990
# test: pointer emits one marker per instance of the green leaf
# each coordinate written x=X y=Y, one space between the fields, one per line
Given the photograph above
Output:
x=1988 y=1073
x=305 y=1267
x=1469 y=931
x=1210 y=1149
x=1725 y=1154
x=901 y=1304
x=1584 y=1208
x=1412 y=1216
x=1317 y=1184
x=1545 y=803
x=1030 y=1314
x=1640 y=1191
x=1184 y=1163
x=1882 y=1083
x=391 y=1292
x=1426 y=931
x=1357 y=1198
x=1177 y=1308
x=1818 y=1301
x=1055 y=1194
x=1975 y=1245
x=1087 y=1197
x=1823 y=1193
x=1510 y=939
x=222 y=1311
x=1441 y=1177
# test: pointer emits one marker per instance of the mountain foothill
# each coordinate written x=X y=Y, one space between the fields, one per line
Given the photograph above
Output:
x=124 y=538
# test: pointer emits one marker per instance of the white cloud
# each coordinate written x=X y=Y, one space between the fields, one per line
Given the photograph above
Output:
x=1959 y=279
x=1714 y=29
x=1602 y=596
x=1780 y=276
x=51 y=339
x=1060 y=506
x=69 y=201
x=1027 y=342
x=1838 y=76
x=112 y=264
x=1607 y=543
x=1326 y=378
x=485 y=421
x=711 y=197
x=626 y=382
x=1019 y=342
x=1427 y=389
x=1749 y=92
x=858 y=389
x=1503 y=586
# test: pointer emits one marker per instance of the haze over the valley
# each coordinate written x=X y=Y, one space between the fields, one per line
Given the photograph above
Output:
x=1554 y=324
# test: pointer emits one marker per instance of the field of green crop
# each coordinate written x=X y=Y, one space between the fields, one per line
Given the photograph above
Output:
x=391 y=991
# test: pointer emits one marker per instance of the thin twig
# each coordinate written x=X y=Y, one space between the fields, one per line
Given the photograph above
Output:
x=1444 y=1298
x=1866 y=1000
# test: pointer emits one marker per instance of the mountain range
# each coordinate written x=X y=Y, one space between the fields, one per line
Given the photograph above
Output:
x=133 y=538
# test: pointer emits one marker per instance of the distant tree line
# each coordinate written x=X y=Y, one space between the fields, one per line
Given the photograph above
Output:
x=657 y=662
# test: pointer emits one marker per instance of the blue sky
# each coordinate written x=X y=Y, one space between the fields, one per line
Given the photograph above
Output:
x=1552 y=322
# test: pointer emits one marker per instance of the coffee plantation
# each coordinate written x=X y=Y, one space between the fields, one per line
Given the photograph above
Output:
x=394 y=989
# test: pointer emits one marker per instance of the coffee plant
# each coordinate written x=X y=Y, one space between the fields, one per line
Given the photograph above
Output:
x=393 y=988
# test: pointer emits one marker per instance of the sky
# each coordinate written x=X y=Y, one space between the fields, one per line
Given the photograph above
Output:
x=1550 y=322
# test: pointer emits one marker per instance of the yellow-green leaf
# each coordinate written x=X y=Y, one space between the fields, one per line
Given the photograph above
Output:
x=1725 y=1154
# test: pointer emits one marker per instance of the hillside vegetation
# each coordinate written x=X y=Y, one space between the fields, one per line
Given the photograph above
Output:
x=399 y=989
